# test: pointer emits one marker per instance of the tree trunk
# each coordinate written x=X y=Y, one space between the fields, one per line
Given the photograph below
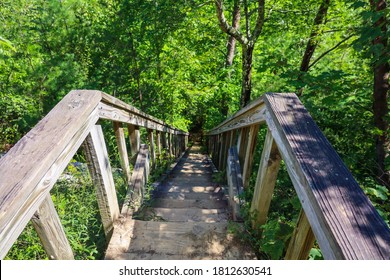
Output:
x=247 y=53
x=231 y=49
x=313 y=40
x=380 y=97
x=231 y=46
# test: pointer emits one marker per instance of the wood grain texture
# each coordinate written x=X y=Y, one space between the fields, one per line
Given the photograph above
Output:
x=251 y=114
x=344 y=221
x=101 y=174
x=122 y=150
x=134 y=136
x=109 y=112
x=235 y=184
x=30 y=169
x=302 y=240
x=152 y=146
x=266 y=180
x=158 y=142
x=48 y=226
x=139 y=178
x=249 y=153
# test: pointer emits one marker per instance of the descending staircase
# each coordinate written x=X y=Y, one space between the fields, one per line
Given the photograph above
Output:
x=187 y=219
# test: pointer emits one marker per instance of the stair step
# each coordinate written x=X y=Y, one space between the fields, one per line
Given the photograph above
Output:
x=174 y=240
x=197 y=188
x=190 y=195
x=186 y=214
x=190 y=203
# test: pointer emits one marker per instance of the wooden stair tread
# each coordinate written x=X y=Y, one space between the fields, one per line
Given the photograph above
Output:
x=175 y=240
x=188 y=214
x=190 y=195
x=190 y=203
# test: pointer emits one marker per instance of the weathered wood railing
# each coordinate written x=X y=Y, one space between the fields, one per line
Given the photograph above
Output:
x=30 y=169
x=335 y=210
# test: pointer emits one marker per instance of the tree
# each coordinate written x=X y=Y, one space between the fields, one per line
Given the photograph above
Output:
x=246 y=39
x=380 y=105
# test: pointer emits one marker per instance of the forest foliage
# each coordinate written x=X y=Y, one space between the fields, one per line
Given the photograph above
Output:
x=168 y=58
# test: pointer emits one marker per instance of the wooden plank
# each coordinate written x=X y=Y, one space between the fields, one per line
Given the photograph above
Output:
x=101 y=174
x=49 y=229
x=117 y=103
x=158 y=141
x=152 y=145
x=109 y=112
x=135 y=138
x=172 y=238
x=252 y=114
x=344 y=221
x=249 y=152
x=170 y=148
x=164 y=141
x=29 y=170
x=301 y=241
x=228 y=144
x=235 y=184
x=266 y=180
x=222 y=149
x=243 y=139
x=122 y=149
x=139 y=178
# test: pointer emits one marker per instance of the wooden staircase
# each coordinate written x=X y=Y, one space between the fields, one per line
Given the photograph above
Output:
x=188 y=218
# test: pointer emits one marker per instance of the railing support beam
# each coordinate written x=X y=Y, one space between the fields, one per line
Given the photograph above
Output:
x=100 y=170
x=134 y=137
x=266 y=179
x=50 y=231
x=249 y=153
x=301 y=241
x=122 y=149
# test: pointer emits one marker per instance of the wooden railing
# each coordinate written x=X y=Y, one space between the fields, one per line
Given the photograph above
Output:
x=31 y=168
x=335 y=210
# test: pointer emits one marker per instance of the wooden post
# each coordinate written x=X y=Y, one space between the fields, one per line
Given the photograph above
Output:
x=152 y=146
x=217 y=151
x=158 y=141
x=228 y=144
x=250 y=148
x=49 y=229
x=164 y=141
x=242 y=145
x=134 y=136
x=100 y=170
x=139 y=178
x=301 y=241
x=122 y=149
x=170 y=149
x=234 y=178
x=222 y=149
x=266 y=179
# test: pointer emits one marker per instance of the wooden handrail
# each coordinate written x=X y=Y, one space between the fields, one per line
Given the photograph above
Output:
x=345 y=223
x=30 y=169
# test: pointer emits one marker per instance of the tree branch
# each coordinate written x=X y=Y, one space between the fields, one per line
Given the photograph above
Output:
x=331 y=49
x=226 y=27
x=259 y=21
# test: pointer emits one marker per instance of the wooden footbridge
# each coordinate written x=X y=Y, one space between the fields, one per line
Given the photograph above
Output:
x=189 y=216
